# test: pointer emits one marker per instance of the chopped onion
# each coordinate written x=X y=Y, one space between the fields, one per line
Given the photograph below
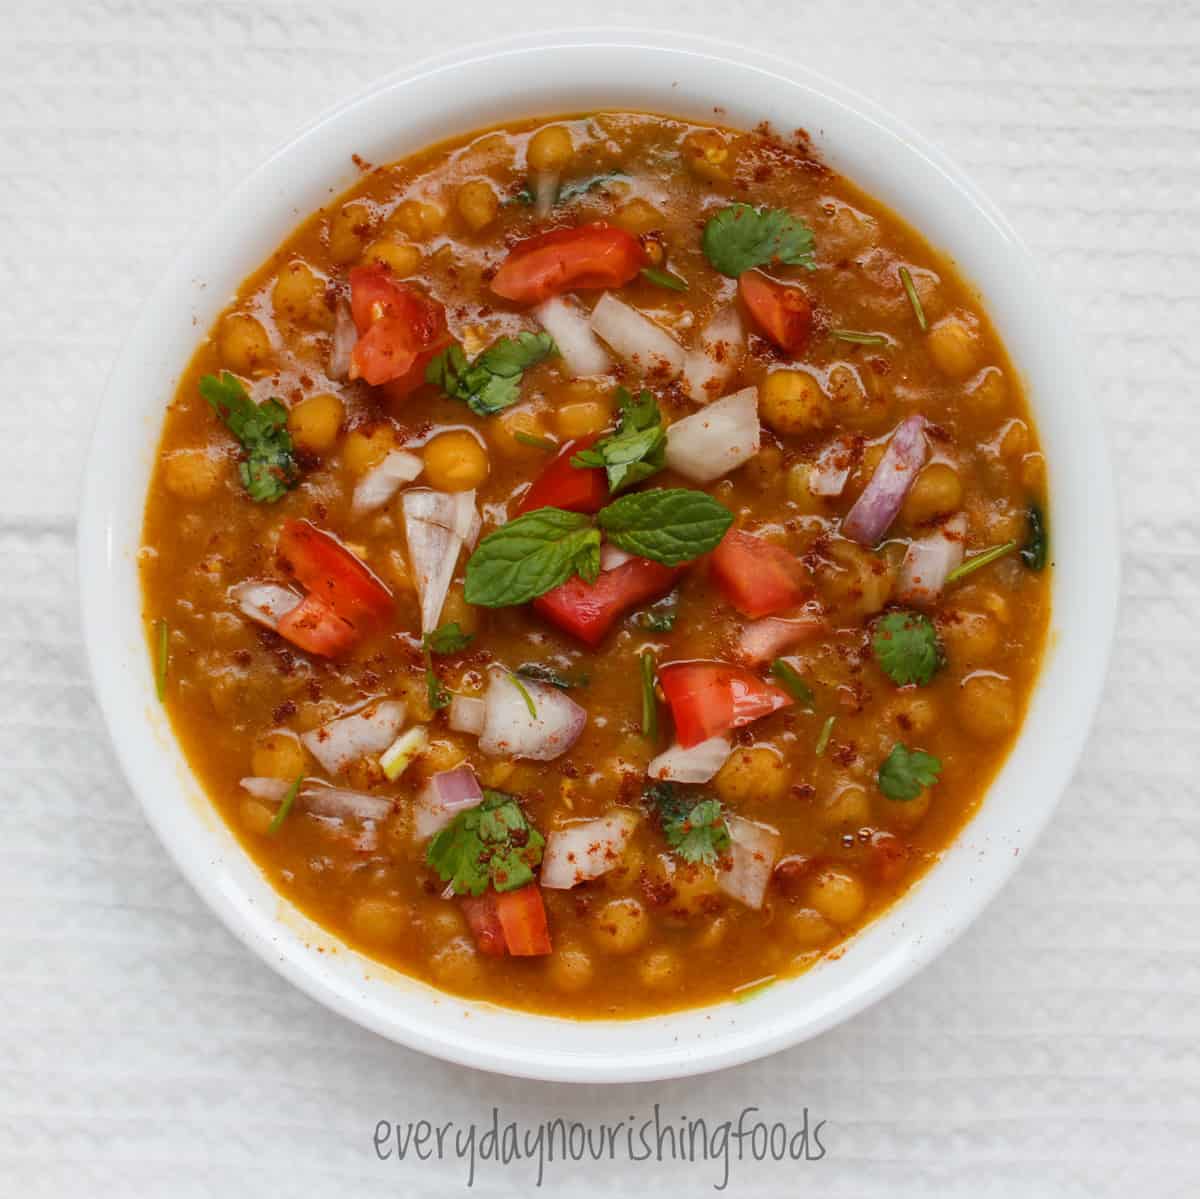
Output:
x=695 y=765
x=336 y=744
x=571 y=329
x=382 y=482
x=545 y=192
x=717 y=439
x=612 y=556
x=345 y=337
x=873 y=512
x=762 y=640
x=321 y=799
x=437 y=525
x=828 y=474
x=511 y=730
x=405 y=750
x=716 y=359
x=928 y=561
x=754 y=849
x=445 y=795
x=266 y=603
x=636 y=338
x=467 y=714
x=272 y=790
x=585 y=849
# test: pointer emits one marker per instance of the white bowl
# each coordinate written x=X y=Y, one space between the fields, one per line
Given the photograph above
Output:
x=554 y=73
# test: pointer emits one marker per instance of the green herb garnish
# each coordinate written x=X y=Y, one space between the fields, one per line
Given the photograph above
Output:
x=740 y=237
x=790 y=680
x=649 y=702
x=663 y=279
x=660 y=617
x=534 y=442
x=636 y=450
x=1036 y=549
x=668 y=525
x=516 y=682
x=285 y=806
x=569 y=192
x=906 y=647
x=910 y=290
x=906 y=772
x=446 y=639
x=439 y=696
x=973 y=564
x=493 y=381
x=268 y=468
x=694 y=829
x=823 y=737
x=541 y=673
x=162 y=656
x=491 y=843
x=858 y=338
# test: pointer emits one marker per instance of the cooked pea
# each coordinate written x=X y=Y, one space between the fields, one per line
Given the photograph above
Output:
x=315 y=423
x=455 y=461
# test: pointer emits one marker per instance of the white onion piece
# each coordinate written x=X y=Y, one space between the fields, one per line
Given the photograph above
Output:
x=873 y=512
x=928 y=561
x=345 y=337
x=382 y=481
x=717 y=439
x=466 y=517
x=764 y=639
x=754 y=850
x=571 y=329
x=545 y=192
x=612 y=556
x=467 y=714
x=716 y=359
x=636 y=338
x=323 y=800
x=585 y=849
x=437 y=525
x=510 y=730
x=272 y=790
x=828 y=474
x=336 y=744
x=695 y=765
x=445 y=795
x=265 y=603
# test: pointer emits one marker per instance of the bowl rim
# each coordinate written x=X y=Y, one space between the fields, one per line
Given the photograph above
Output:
x=695 y=1040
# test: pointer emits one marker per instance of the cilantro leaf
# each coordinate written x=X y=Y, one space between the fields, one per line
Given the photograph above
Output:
x=447 y=639
x=668 y=525
x=268 y=469
x=531 y=555
x=439 y=697
x=906 y=647
x=694 y=830
x=637 y=450
x=739 y=238
x=905 y=772
x=493 y=381
x=541 y=673
x=1037 y=544
x=491 y=843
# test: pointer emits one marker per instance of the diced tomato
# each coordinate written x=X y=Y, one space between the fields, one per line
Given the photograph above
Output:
x=784 y=313
x=709 y=698
x=757 y=577
x=561 y=485
x=594 y=255
x=312 y=625
x=484 y=920
x=522 y=916
x=331 y=573
x=400 y=330
x=589 y=610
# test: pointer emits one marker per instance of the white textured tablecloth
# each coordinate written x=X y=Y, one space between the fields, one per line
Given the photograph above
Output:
x=1053 y=1051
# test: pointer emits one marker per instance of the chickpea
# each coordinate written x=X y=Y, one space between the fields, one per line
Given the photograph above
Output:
x=455 y=461
x=456 y=610
x=299 y=296
x=578 y=418
x=809 y=929
x=380 y=921
x=854 y=580
x=915 y=713
x=348 y=228
x=660 y=968
x=792 y=402
x=402 y=257
x=191 y=474
x=621 y=926
x=255 y=816
x=837 y=894
x=1033 y=472
x=456 y=965
x=477 y=204
x=1014 y=441
x=441 y=755
x=987 y=707
x=243 y=344
x=970 y=638
x=549 y=149
x=936 y=491
x=954 y=346
x=278 y=755
x=444 y=923
x=850 y=231
x=713 y=932
x=709 y=154
x=847 y=807
x=765 y=469
x=695 y=885
x=418 y=220
x=365 y=448
x=638 y=216
x=903 y=813
x=570 y=968
x=314 y=423
x=988 y=394
x=525 y=420
x=757 y=773
x=799 y=492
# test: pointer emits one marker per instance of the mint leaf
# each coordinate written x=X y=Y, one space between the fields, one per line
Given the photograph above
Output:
x=906 y=647
x=532 y=555
x=906 y=772
x=446 y=639
x=491 y=843
x=739 y=238
x=668 y=525
x=268 y=469
x=636 y=450
x=493 y=381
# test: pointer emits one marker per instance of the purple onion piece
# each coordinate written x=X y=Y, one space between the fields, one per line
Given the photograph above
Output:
x=873 y=512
